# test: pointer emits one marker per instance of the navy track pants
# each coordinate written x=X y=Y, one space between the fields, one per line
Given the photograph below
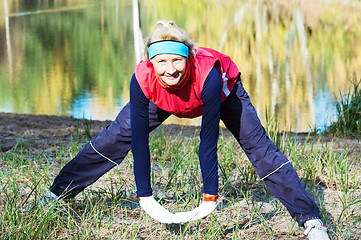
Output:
x=111 y=146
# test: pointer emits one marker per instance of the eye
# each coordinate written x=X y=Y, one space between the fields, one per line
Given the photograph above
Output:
x=178 y=59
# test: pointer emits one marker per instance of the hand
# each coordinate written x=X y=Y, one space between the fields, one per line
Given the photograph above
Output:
x=155 y=210
x=208 y=205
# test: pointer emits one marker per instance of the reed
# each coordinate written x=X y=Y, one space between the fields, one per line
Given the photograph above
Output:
x=348 y=122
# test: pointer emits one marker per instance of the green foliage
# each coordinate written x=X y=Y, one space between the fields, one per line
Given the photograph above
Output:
x=348 y=122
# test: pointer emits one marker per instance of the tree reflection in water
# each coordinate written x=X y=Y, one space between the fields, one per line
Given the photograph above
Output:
x=77 y=57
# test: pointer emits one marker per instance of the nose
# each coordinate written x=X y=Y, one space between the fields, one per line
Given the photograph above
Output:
x=171 y=68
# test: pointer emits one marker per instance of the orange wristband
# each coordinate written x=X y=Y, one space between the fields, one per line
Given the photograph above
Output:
x=209 y=198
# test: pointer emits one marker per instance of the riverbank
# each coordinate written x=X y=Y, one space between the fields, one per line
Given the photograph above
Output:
x=35 y=147
x=42 y=132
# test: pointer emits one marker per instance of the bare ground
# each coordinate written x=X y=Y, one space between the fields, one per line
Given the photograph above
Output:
x=40 y=134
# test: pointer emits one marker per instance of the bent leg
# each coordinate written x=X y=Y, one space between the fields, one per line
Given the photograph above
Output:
x=101 y=154
x=240 y=117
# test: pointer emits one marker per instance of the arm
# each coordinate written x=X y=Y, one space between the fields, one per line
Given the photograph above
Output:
x=212 y=104
x=139 y=120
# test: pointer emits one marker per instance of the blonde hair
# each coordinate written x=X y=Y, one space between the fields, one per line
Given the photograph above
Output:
x=168 y=30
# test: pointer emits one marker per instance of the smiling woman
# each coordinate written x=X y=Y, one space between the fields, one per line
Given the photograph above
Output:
x=170 y=68
x=170 y=81
x=168 y=56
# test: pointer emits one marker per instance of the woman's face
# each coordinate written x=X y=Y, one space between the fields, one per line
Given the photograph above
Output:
x=169 y=67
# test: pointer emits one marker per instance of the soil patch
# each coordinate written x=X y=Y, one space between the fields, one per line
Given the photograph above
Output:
x=42 y=132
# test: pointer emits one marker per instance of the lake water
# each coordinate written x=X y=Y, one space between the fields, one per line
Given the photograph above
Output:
x=76 y=58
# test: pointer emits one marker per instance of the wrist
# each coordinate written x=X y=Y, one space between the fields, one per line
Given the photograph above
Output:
x=209 y=197
x=145 y=197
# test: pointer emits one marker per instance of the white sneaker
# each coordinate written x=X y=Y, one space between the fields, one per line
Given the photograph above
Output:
x=48 y=198
x=316 y=230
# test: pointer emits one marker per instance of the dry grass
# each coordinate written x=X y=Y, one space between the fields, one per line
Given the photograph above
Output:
x=109 y=209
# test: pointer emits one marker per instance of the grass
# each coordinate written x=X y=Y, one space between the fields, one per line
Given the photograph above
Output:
x=348 y=122
x=109 y=209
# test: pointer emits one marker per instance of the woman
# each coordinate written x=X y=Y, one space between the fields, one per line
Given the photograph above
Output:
x=179 y=78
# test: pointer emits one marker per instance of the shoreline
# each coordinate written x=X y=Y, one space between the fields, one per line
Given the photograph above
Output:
x=41 y=132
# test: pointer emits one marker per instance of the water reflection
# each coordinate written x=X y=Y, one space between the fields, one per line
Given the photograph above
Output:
x=76 y=57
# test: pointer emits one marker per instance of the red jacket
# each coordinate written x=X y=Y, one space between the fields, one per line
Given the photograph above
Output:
x=186 y=102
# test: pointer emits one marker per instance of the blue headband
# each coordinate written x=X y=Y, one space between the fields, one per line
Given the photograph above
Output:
x=168 y=47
